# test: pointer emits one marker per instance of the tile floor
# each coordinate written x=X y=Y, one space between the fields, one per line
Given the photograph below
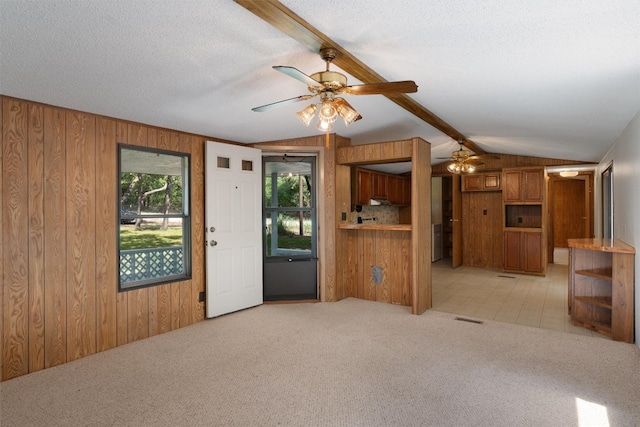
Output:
x=478 y=293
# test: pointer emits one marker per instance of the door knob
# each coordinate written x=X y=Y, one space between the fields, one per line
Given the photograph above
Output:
x=214 y=243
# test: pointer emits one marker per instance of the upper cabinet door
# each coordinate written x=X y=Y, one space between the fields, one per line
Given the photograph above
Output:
x=491 y=181
x=363 y=191
x=379 y=186
x=472 y=183
x=523 y=185
x=533 y=185
x=511 y=186
x=484 y=181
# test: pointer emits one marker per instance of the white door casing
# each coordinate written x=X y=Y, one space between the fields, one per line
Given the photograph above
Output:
x=233 y=205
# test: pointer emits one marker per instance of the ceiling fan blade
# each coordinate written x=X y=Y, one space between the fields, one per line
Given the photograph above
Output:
x=407 y=86
x=284 y=19
x=297 y=74
x=282 y=103
x=474 y=162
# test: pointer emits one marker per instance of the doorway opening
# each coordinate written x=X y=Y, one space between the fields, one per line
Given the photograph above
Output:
x=289 y=228
x=571 y=208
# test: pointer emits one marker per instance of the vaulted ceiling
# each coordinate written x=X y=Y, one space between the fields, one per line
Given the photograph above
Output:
x=541 y=78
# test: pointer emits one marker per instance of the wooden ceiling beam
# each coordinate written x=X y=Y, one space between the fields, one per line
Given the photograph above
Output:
x=287 y=21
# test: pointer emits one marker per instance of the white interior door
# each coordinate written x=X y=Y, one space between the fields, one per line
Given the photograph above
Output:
x=233 y=227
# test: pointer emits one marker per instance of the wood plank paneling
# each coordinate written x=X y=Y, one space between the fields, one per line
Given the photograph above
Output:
x=58 y=190
x=406 y=280
x=197 y=230
x=186 y=297
x=388 y=249
x=55 y=243
x=15 y=228
x=138 y=304
x=138 y=299
x=36 y=238
x=407 y=268
x=80 y=235
x=328 y=221
x=122 y=300
x=369 y=253
x=482 y=229
x=421 y=226
x=106 y=249
x=343 y=285
x=382 y=260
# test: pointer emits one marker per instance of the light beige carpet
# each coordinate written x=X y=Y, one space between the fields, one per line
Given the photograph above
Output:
x=350 y=363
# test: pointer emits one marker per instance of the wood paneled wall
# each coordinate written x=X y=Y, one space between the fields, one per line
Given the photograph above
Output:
x=59 y=238
x=354 y=267
x=389 y=250
x=482 y=229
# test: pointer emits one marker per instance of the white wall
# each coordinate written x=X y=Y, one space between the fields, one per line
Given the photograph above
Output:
x=625 y=155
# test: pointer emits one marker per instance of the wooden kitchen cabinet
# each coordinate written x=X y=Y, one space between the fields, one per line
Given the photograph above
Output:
x=367 y=184
x=601 y=286
x=379 y=183
x=485 y=181
x=523 y=185
x=361 y=190
x=524 y=219
x=523 y=252
x=399 y=190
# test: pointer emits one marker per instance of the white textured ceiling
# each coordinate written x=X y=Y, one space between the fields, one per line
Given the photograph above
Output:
x=533 y=77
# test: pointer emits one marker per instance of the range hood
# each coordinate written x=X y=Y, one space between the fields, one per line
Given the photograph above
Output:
x=378 y=201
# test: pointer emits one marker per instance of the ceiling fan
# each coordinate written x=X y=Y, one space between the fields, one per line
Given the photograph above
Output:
x=328 y=85
x=462 y=161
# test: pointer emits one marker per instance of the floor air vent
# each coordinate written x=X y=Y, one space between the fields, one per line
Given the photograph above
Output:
x=464 y=319
x=508 y=277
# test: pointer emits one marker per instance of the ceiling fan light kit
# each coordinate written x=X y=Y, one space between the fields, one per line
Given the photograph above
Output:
x=328 y=113
x=307 y=114
x=458 y=167
x=461 y=161
x=327 y=84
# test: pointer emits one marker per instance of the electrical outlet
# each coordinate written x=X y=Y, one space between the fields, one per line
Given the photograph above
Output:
x=344 y=216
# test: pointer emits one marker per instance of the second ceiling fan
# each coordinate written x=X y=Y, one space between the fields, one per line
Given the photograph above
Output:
x=327 y=85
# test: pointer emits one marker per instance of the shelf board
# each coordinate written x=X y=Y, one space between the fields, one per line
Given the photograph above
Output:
x=602 y=245
x=605 y=274
x=604 y=302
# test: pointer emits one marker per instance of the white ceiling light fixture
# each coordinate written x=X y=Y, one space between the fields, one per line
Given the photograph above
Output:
x=568 y=174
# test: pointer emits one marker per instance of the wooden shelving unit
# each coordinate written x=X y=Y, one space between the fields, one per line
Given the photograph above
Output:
x=524 y=220
x=601 y=286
